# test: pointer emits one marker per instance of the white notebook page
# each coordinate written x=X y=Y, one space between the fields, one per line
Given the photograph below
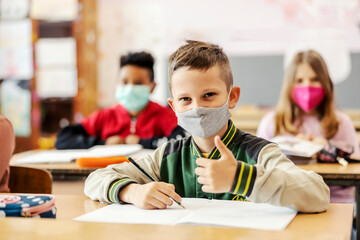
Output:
x=199 y=212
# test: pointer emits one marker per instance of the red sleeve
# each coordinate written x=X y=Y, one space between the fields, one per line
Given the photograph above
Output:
x=169 y=121
x=93 y=123
x=7 y=143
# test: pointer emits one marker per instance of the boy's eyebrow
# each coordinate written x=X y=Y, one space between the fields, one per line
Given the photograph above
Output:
x=212 y=89
x=201 y=91
x=180 y=95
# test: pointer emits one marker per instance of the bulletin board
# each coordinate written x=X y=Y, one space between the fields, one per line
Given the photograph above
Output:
x=47 y=66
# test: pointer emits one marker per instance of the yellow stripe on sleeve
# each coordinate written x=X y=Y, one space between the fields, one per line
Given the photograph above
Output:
x=248 y=181
x=113 y=188
x=239 y=178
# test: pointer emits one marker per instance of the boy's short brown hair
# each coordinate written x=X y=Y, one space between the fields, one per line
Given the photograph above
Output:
x=202 y=56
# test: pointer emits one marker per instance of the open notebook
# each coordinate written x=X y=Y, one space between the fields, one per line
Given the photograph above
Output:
x=56 y=156
x=200 y=212
x=293 y=146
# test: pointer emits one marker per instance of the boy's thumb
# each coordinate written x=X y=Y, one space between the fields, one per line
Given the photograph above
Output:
x=221 y=146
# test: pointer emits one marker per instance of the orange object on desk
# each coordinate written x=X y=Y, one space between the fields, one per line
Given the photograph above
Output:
x=100 y=162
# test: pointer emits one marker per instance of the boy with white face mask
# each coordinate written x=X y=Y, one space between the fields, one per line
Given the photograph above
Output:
x=218 y=161
x=134 y=120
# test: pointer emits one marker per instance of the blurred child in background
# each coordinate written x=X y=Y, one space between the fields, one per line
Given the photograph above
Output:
x=134 y=120
x=306 y=109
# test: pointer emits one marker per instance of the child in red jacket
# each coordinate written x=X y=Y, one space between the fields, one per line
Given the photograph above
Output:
x=134 y=120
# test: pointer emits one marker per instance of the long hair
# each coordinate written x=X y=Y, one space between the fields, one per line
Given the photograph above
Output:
x=288 y=117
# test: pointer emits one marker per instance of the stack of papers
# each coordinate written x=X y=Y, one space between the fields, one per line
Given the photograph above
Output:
x=58 y=156
x=200 y=212
x=293 y=146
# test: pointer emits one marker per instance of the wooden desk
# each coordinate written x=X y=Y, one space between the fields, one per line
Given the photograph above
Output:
x=335 y=224
x=59 y=171
x=62 y=170
x=67 y=170
x=336 y=174
x=333 y=174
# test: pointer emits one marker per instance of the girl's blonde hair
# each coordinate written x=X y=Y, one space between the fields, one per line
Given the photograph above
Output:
x=288 y=117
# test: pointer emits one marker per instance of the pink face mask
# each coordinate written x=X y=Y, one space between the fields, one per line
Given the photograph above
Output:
x=308 y=98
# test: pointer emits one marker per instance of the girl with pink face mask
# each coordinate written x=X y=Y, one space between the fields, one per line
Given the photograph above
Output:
x=306 y=109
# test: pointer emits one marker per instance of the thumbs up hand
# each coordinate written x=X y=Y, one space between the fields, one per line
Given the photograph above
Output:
x=217 y=175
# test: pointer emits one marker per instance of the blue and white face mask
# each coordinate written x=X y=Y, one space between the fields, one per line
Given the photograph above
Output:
x=204 y=122
x=133 y=97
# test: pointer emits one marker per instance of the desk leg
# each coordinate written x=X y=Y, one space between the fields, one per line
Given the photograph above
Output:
x=357 y=198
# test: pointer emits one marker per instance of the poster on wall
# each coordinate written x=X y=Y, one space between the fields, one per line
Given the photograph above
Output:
x=65 y=10
x=16 y=105
x=56 y=67
x=55 y=52
x=16 y=63
x=57 y=82
x=14 y=9
x=16 y=57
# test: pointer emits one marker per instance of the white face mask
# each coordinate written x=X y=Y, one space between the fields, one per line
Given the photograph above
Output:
x=204 y=122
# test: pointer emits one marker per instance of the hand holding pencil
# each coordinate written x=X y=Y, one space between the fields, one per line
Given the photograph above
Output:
x=153 y=195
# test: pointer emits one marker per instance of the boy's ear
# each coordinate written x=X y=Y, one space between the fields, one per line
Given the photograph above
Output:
x=152 y=87
x=171 y=103
x=234 y=96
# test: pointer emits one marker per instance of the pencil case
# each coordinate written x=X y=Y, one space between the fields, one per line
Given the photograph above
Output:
x=27 y=205
x=337 y=152
x=100 y=162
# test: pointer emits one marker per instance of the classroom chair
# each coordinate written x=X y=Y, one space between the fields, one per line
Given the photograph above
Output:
x=30 y=180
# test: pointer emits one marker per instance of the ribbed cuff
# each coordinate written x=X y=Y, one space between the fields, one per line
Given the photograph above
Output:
x=115 y=187
x=244 y=179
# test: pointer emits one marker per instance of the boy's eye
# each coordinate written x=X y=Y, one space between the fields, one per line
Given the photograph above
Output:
x=184 y=99
x=209 y=94
x=299 y=80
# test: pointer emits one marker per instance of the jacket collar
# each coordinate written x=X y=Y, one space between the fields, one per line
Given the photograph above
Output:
x=226 y=139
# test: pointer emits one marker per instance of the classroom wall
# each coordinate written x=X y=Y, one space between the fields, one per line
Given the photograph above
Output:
x=263 y=75
x=260 y=80
x=348 y=92
x=254 y=33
